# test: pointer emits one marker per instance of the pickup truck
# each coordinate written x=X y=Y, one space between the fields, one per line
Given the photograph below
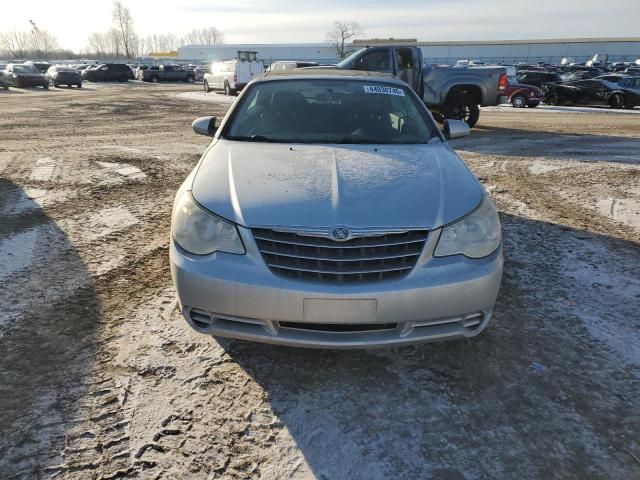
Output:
x=449 y=92
x=167 y=73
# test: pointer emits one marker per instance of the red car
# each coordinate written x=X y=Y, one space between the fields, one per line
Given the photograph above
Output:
x=521 y=95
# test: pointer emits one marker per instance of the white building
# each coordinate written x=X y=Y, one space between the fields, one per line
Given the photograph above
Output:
x=499 y=51
x=268 y=52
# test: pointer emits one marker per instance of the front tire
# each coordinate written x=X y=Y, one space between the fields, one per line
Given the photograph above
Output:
x=154 y=79
x=206 y=87
x=616 y=101
x=46 y=87
x=227 y=89
x=190 y=79
x=519 y=101
x=462 y=107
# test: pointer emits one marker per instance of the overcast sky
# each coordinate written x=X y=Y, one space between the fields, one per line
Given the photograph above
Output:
x=290 y=21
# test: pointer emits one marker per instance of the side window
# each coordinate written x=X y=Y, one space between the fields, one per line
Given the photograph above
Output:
x=375 y=60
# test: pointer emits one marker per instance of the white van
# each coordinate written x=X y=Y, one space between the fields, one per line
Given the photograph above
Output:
x=233 y=75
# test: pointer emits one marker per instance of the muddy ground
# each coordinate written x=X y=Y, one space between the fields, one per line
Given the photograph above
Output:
x=100 y=377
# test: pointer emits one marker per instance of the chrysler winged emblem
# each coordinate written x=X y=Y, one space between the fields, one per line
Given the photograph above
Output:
x=340 y=234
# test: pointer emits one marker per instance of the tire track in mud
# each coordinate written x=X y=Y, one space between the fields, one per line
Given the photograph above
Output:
x=78 y=414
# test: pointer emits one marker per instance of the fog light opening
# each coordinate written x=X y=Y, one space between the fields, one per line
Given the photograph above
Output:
x=200 y=319
x=473 y=322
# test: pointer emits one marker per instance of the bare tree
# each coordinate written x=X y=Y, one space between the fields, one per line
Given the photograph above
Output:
x=124 y=27
x=143 y=46
x=99 y=44
x=341 y=32
x=14 y=43
x=42 y=42
x=204 y=36
x=114 y=43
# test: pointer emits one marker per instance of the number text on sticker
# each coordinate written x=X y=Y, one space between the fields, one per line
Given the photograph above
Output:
x=384 y=90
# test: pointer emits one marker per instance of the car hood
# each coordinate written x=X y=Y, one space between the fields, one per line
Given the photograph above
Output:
x=276 y=184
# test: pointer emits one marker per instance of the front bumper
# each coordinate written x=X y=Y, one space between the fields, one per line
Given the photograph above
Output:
x=237 y=296
x=31 y=82
x=66 y=80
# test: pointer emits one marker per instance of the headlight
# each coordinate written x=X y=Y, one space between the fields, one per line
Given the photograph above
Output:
x=200 y=232
x=476 y=235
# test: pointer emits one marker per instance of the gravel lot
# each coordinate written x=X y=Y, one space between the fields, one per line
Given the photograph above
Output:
x=101 y=378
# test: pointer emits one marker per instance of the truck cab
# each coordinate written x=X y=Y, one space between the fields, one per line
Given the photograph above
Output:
x=403 y=62
x=449 y=92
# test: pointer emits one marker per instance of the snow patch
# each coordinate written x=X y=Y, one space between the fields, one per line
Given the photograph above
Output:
x=507 y=107
x=98 y=224
x=30 y=199
x=43 y=171
x=128 y=171
x=625 y=210
x=540 y=168
x=211 y=97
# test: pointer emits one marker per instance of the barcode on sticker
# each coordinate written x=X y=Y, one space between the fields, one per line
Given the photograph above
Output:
x=384 y=90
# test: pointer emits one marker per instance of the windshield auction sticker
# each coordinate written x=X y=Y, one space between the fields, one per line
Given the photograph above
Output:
x=398 y=92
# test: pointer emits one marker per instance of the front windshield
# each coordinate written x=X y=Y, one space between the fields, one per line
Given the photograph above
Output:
x=347 y=61
x=25 y=69
x=330 y=111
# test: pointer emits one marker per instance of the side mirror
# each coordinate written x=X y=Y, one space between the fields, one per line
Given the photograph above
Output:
x=205 y=126
x=455 y=129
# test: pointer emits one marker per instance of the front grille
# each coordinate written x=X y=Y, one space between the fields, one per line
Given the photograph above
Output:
x=362 y=259
x=340 y=327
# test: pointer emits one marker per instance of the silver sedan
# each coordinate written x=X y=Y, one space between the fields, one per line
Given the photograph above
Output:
x=330 y=211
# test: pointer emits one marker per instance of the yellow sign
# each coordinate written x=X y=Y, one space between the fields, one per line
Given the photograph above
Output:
x=163 y=54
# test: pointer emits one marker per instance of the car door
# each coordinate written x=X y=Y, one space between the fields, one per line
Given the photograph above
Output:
x=9 y=75
x=596 y=92
x=407 y=65
x=103 y=73
x=630 y=88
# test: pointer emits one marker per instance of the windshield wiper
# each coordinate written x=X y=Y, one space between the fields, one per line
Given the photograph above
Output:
x=359 y=141
x=252 y=138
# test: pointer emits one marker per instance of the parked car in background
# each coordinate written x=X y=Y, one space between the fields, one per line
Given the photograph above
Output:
x=167 y=73
x=4 y=80
x=538 y=79
x=449 y=92
x=60 y=75
x=43 y=67
x=21 y=76
x=522 y=95
x=330 y=211
x=108 y=72
x=284 y=65
x=581 y=75
x=596 y=92
x=233 y=75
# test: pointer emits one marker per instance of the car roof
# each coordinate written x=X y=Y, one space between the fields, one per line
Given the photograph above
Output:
x=328 y=73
